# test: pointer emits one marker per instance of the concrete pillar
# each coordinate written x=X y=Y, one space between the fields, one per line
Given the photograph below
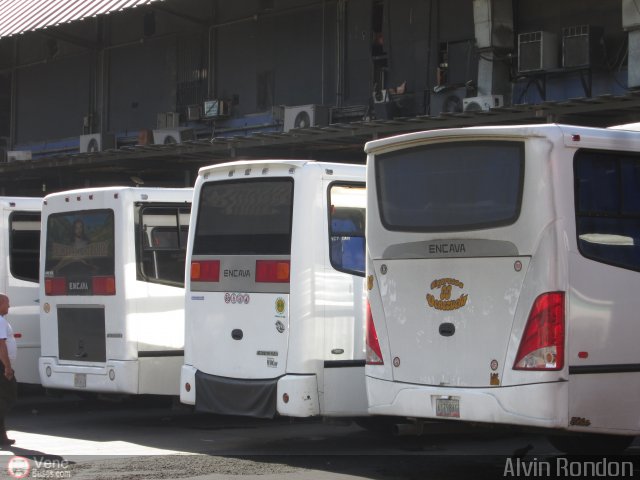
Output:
x=631 y=23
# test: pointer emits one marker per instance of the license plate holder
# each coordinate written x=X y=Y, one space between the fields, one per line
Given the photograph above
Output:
x=80 y=380
x=448 y=407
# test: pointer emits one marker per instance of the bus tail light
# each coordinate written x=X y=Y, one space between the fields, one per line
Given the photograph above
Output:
x=272 y=271
x=205 y=271
x=55 y=286
x=374 y=354
x=542 y=344
x=103 y=285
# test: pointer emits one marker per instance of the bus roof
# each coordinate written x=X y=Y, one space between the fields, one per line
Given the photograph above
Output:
x=279 y=162
x=22 y=203
x=158 y=193
x=575 y=136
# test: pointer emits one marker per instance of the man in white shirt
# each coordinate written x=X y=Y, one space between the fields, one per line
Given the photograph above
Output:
x=8 y=384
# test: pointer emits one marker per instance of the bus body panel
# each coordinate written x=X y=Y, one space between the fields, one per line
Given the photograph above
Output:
x=597 y=388
x=129 y=342
x=444 y=317
x=23 y=292
x=287 y=331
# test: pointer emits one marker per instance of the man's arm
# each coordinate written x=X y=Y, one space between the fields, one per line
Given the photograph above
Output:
x=4 y=358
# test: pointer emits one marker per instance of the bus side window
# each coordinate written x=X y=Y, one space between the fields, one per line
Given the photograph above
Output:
x=163 y=233
x=24 y=245
x=608 y=207
x=347 y=239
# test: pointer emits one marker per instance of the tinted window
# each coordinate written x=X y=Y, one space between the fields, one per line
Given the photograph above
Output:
x=346 y=227
x=249 y=217
x=163 y=231
x=24 y=244
x=451 y=187
x=608 y=207
x=80 y=245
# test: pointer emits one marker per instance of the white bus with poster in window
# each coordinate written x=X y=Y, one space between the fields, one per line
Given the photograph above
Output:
x=275 y=290
x=503 y=277
x=112 y=289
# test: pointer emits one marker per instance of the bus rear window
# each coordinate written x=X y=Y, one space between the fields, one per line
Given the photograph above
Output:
x=451 y=186
x=248 y=217
x=80 y=252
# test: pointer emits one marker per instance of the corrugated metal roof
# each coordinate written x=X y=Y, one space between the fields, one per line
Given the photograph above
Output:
x=18 y=16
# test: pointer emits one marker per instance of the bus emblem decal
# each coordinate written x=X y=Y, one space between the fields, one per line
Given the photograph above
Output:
x=280 y=326
x=444 y=302
x=280 y=305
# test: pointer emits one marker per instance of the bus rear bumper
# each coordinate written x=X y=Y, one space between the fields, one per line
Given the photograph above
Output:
x=188 y=377
x=297 y=396
x=536 y=405
x=114 y=377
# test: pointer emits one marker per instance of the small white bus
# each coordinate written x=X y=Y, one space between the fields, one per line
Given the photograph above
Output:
x=275 y=291
x=503 y=277
x=112 y=289
x=20 y=246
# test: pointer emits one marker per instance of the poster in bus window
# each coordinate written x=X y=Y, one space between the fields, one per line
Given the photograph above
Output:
x=80 y=247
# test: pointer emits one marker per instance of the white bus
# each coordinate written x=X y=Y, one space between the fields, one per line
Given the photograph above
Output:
x=275 y=292
x=112 y=289
x=20 y=247
x=503 y=277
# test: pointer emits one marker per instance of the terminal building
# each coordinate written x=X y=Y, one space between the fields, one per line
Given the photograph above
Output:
x=133 y=92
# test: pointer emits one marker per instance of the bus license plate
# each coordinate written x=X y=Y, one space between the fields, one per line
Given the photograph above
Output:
x=80 y=380
x=448 y=407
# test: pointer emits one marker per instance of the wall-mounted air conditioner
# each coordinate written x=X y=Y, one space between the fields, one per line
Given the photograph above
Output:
x=216 y=108
x=305 y=116
x=482 y=102
x=166 y=136
x=537 y=51
x=582 y=46
x=447 y=101
x=97 y=142
x=18 y=155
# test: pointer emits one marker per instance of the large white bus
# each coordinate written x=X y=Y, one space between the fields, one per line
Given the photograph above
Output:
x=503 y=277
x=112 y=289
x=275 y=291
x=20 y=247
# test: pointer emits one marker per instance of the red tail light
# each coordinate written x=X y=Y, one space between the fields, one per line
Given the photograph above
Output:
x=542 y=344
x=272 y=271
x=205 y=271
x=103 y=285
x=374 y=354
x=55 y=286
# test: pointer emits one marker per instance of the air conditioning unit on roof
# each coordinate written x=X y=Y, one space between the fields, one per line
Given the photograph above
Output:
x=305 y=116
x=97 y=142
x=167 y=136
x=482 y=103
x=448 y=100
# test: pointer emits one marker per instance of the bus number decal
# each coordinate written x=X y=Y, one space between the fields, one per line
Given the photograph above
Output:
x=237 y=298
x=444 y=302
